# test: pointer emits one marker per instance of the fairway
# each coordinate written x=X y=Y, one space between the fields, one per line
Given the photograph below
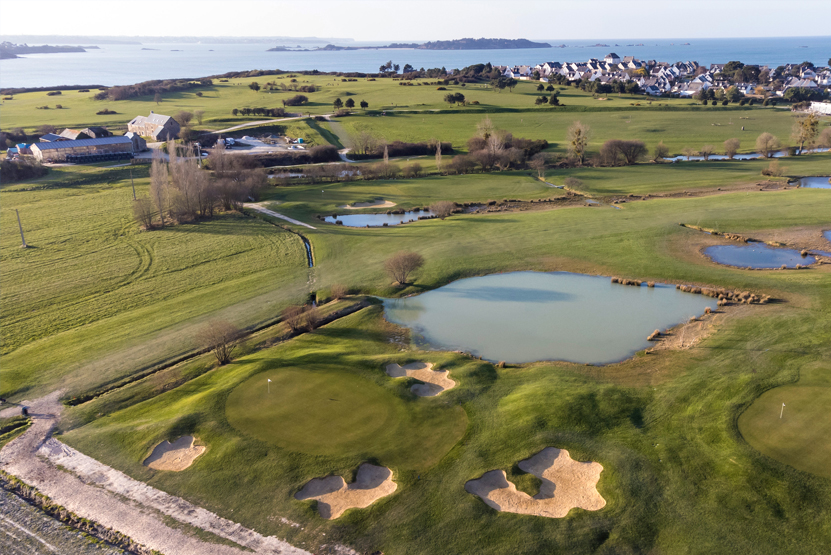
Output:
x=329 y=412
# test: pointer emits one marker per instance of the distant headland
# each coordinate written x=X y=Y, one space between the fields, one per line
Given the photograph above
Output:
x=458 y=44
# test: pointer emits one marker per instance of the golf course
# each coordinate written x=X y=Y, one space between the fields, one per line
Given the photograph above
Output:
x=712 y=438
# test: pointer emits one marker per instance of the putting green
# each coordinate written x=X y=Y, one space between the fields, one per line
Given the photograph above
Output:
x=800 y=437
x=336 y=412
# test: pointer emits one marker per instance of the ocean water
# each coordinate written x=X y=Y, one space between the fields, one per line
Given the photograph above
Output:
x=118 y=64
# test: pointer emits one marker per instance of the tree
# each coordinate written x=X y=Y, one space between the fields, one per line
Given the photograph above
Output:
x=413 y=170
x=438 y=156
x=554 y=99
x=157 y=98
x=824 y=140
x=688 y=152
x=143 y=213
x=402 y=264
x=706 y=151
x=541 y=100
x=339 y=291
x=767 y=145
x=254 y=86
x=731 y=147
x=540 y=87
x=200 y=114
x=442 y=208
x=349 y=103
x=158 y=185
x=408 y=68
x=311 y=318
x=578 y=136
x=293 y=316
x=364 y=142
x=338 y=103
x=386 y=154
x=395 y=68
x=660 y=151
x=364 y=104
x=183 y=117
x=485 y=128
x=221 y=338
x=538 y=162
x=805 y=130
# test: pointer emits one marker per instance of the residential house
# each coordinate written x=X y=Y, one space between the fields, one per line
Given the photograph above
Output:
x=612 y=58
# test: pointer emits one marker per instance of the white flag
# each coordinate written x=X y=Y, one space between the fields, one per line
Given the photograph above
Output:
x=269 y=379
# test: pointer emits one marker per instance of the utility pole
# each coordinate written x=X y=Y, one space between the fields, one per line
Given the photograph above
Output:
x=22 y=238
x=133 y=183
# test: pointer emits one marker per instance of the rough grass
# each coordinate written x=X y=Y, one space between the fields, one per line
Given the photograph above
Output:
x=92 y=285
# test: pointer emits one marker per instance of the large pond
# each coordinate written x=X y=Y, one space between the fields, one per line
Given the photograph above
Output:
x=756 y=255
x=528 y=316
x=815 y=182
x=377 y=220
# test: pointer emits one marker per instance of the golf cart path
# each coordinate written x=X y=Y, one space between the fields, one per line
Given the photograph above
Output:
x=255 y=123
x=258 y=208
x=97 y=492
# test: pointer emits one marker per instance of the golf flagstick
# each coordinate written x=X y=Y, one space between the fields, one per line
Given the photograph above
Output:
x=269 y=385
x=782 y=411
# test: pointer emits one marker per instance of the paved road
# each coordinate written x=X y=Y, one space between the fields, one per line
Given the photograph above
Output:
x=95 y=491
x=255 y=123
x=272 y=213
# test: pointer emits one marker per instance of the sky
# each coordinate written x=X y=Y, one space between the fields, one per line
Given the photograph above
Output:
x=419 y=20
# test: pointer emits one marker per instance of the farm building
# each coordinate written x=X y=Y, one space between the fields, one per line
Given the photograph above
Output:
x=75 y=134
x=84 y=150
x=157 y=126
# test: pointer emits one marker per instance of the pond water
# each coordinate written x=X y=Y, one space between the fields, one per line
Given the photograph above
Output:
x=756 y=255
x=528 y=316
x=815 y=182
x=377 y=220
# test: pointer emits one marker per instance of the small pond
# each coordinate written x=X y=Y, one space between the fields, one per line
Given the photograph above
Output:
x=528 y=316
x=377 y=220
x=815 y=182
x=756 y=255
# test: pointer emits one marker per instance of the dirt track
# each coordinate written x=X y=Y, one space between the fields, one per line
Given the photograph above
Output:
x=100 y=493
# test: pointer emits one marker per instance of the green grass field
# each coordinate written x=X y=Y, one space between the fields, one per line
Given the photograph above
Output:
x=695 y=456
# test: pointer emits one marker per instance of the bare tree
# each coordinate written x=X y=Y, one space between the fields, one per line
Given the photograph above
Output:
x=438 y=156
x=183 y=117
x=143 y=213
x=413 y=170
x=660 y=151
x=442 y=208
x=731 y=147
x=386 y=155
x=200 y=114
x=538 y=162
x=688 y=152
x=293 y=316
x=403 y=263
x=221 y=337
x=578 y=136
x=767 y=145
x=364 y=142
x=339 y=291
x=157 y=98
x=805 y=130
x=159 y=185
x=707 y=151
x=485 y=128
x=311 y=318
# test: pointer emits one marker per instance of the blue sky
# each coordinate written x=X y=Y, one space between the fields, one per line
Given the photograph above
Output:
x=420 y=20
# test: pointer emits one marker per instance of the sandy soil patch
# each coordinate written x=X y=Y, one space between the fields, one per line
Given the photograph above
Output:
x=566 y=484
x=175 y=456
x=373 y=204
x=334 y=496
x=435 y=381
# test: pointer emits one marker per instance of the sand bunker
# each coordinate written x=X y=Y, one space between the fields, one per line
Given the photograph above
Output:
x=334 y=495
x=374 y=204
x=435 y=381
x=566 y=484
x=175 y=456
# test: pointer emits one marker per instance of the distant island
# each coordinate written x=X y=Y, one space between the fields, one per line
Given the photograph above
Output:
x=10 y=50
x=458 y=44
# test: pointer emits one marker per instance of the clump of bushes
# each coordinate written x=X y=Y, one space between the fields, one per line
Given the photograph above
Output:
x=105 y=112
x=297 y=100
x=271 y=112
x=12 y=171
x=53 y=93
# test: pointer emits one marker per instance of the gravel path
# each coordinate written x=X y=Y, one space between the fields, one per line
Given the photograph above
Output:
x=95 y=491
x=274 y=214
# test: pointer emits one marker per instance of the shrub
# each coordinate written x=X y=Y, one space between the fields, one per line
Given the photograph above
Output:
x=339 y=291
x=20 y=170
x=53 y=93
x=297 y=100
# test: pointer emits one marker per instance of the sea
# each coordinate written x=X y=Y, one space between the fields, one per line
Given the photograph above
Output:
x=125 y=64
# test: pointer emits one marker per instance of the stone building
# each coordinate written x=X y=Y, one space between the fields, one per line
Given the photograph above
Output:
x=84 y=150
x=156 y=126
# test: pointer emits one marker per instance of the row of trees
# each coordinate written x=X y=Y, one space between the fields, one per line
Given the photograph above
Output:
x=181 y=191
x=339 y=104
